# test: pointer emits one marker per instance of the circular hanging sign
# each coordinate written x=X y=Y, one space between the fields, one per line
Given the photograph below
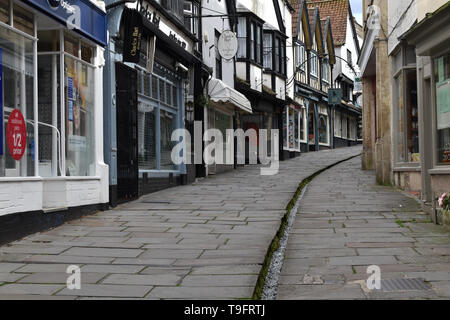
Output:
x=228 y=45
x=16 y=135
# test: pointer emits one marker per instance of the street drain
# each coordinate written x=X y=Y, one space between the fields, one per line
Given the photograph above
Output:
x=405 y=284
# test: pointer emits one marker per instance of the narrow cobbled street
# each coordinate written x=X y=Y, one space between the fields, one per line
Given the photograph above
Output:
x=209 y=240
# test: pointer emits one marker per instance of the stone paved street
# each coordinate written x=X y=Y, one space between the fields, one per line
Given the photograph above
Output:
x=202 y=241
x=345 y=223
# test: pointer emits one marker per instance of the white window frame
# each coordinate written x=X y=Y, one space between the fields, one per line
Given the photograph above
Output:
x=314 y=64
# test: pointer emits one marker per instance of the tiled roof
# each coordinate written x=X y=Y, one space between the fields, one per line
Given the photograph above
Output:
x=337 y=10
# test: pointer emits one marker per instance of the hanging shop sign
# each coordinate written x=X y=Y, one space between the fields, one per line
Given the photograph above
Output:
x=1 y=104
x=16 y=135
x=81 y=15
x=133 y=35
x=228 y=45
x=334 y=96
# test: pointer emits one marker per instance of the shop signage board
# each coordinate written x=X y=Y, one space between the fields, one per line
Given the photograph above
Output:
x=228 y=45
x=16 y=135
x=1 y=104
x=133 y=35
x=334 y=96
x=82 y=15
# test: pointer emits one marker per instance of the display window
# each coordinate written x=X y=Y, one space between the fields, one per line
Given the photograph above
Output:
x=17 y=94
x=158 y=116
x=442 y=83
x=405 y=106
x=292 y=124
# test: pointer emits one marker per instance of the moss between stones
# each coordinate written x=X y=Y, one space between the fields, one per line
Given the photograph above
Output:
x=275 y=244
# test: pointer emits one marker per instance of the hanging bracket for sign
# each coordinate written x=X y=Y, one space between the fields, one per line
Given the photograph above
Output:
x=228 y=45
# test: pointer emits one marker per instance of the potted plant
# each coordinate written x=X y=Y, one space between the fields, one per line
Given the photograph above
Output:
x=444 y=204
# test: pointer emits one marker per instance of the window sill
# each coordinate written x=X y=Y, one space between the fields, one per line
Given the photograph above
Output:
x=407 y=168
x=439 y=170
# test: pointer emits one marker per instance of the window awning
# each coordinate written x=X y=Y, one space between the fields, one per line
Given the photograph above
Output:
x=220 y=92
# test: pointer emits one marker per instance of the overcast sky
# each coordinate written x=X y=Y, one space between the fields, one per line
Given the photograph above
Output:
x=357 y=9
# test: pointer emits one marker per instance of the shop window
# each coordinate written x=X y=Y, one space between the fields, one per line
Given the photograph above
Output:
x=296 y=130
x=48 y=40
x=4 y=11
x=323 y=129
x=49 y=99
x=87 y=53
x=302 y=125
x=337 y=124
x=344 y=127
x=23 y=20
x=311 y=126
x=157 y=119
x=147 y=136
x=17 y=88
x=79 y=104
x=291 y=129
x=167 y=125
x=442 y=82
x=71 y=45
x=404 y=94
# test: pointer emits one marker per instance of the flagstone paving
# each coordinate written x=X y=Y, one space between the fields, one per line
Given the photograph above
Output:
x=202 y=241
x=345 y=223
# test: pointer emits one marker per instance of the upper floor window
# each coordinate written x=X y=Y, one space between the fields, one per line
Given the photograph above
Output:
x=176 y=7
x=191 y=18
x=325 y=71
x=218 y=56
x=242 y=37
x=300 y=56
x=267 y=51
x=314 y=64
x=349 y=57
x=250 y=39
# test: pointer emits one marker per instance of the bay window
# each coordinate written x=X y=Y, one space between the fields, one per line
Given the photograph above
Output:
x=250 y=39
x=242 y=37
x=267 y=51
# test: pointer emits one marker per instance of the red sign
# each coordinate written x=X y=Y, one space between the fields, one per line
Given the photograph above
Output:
x=16 y=135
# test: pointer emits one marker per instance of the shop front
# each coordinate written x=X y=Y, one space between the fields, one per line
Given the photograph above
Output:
x=430 y=37
x=51 y=152
x=148 y=81
x=225 y=108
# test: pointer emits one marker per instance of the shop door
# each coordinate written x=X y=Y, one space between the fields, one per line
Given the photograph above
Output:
x=127 y=138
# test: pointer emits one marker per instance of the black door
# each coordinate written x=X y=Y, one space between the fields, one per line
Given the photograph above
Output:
x=127 y=138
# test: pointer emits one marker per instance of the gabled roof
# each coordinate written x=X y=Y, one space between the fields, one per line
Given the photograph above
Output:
x=328 y=39
x=316 y=28
x=300 y=16
x=338 y=11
